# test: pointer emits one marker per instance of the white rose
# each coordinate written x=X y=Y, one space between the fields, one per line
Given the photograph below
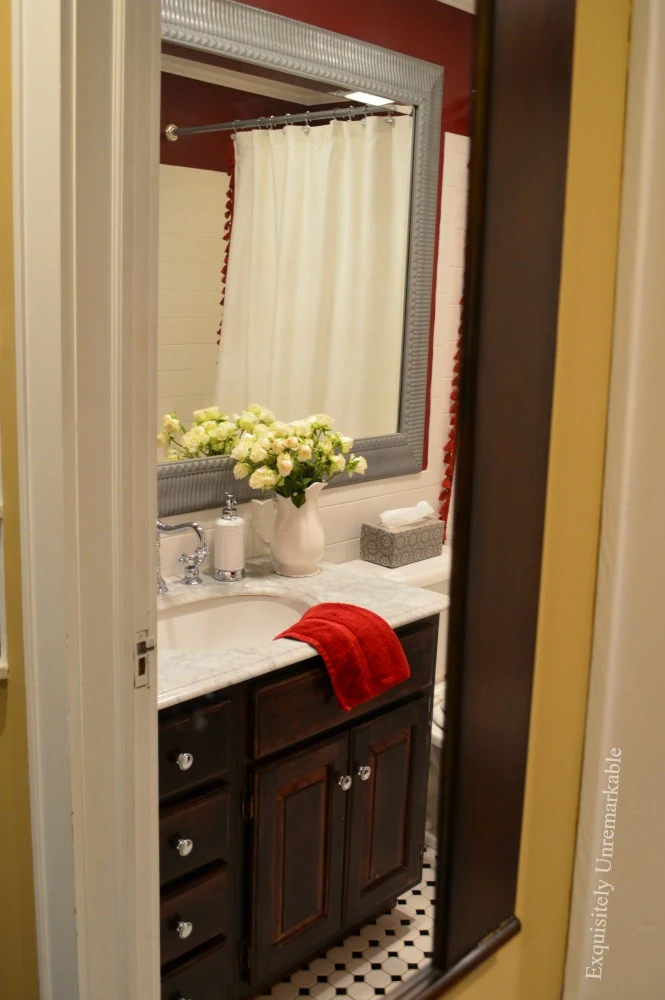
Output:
x=285 y=465
x=240 y=470
x=173 y=456
x=199 y=415
x=212 y=413
x=195 y=439
x=261 y=413
x=322 y=420
x=171 y=424
x=258 y=454
x=325 y=447
x=263 y=479
x=278 y=446
x=338 y=463
x=241 y=451
x=305 y=452
x=361 y=466
x=292 y=442
x=345 y=443
x=280 y=428
x=247 y=420
x=222 y=431
x=163 y=439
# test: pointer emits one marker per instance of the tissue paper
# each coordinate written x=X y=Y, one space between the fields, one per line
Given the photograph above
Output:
x=406 y=515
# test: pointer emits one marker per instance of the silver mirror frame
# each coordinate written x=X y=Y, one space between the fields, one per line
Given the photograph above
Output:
x=227 y=28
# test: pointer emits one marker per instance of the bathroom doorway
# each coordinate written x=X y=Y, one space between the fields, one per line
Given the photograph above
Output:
x=470 y=667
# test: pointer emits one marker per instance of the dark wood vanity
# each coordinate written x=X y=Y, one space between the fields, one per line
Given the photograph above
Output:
x=286 y=822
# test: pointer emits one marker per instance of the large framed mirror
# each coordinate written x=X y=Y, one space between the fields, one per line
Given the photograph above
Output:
x=321 y=283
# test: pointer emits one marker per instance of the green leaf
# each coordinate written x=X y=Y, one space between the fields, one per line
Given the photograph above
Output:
x=298 y=499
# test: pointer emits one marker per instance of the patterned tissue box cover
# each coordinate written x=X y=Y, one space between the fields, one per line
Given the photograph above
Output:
x=399 y=546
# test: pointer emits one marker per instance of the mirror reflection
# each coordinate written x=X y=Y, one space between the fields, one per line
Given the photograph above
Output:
x=283 y=251
x=283 y=269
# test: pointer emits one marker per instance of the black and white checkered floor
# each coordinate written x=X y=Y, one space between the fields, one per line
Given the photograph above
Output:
x=376 y=959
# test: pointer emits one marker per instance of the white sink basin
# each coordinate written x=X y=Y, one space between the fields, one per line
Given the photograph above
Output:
x=227 y=623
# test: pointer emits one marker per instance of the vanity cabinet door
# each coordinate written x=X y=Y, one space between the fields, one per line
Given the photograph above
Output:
x=299 y=823
x=386 y=827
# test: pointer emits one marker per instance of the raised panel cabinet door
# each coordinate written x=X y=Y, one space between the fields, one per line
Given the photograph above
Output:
x=386 y=826
x=299 y=822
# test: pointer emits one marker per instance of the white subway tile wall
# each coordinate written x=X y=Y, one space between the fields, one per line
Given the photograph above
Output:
x=191 y=254
x=343 y=510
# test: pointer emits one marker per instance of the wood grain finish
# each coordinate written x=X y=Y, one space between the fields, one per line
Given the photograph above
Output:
x=304 y=704
x=298 y=841
x=204 y=820
x=200 y=978
x=204 y=903
x=387 y=821
x=206 y=735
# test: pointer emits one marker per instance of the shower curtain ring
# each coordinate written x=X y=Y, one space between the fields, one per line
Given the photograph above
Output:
x=235 y=129
x=389 y=118
x=307 y=125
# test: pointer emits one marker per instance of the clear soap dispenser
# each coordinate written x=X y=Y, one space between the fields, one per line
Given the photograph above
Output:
x=229 y=560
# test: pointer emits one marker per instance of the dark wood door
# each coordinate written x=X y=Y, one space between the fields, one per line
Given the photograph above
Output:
x=299 y=822
x=386 y=826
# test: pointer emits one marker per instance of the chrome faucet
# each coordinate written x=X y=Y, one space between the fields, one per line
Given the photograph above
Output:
x=192 y=562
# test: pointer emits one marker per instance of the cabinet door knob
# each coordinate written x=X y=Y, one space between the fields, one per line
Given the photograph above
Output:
x=184 y=761
x=345 y=782
x=364 y=772
x=184 y=846
x=184 y=928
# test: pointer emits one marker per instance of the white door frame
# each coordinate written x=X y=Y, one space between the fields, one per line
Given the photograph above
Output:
x=86 y=86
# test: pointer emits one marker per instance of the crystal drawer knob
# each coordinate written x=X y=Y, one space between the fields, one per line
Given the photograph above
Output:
x=345 y=782
x=184 y=846
x=184 y=761
x=364 y=772
x=184 y=928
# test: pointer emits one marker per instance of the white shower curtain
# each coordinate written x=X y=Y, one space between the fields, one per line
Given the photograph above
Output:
x=314 y=307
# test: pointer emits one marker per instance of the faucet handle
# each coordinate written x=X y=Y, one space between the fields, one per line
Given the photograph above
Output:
x=192 y=563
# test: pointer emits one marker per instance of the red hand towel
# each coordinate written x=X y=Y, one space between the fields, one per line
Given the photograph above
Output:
x=361 y=652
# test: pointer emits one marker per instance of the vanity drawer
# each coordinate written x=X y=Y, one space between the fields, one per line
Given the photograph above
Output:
x=304 y=704
x=202 y=978
x=193 y=748
x=193 y=834
x=203 y=903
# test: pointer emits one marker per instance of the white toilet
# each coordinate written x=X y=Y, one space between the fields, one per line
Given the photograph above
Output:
x=431 y=574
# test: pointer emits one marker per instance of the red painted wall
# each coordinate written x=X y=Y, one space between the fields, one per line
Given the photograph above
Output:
x=193 y=102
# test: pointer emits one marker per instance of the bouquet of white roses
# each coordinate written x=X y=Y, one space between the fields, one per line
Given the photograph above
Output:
x=279 y=456
x=287 y=458
x=213 y=432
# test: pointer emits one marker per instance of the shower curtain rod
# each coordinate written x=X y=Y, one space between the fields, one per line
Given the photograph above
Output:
x=173 y=131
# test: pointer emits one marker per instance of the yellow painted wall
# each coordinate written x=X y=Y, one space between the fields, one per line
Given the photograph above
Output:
x=530 y=967
x=18 y=948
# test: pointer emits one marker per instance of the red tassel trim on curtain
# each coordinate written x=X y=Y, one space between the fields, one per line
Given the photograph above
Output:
x=228 y=224
x=450 y=448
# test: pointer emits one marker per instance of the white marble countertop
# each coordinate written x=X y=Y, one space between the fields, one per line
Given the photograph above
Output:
x=183 y=675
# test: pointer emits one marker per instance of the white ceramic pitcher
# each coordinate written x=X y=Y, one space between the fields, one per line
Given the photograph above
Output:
x=294 y=534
